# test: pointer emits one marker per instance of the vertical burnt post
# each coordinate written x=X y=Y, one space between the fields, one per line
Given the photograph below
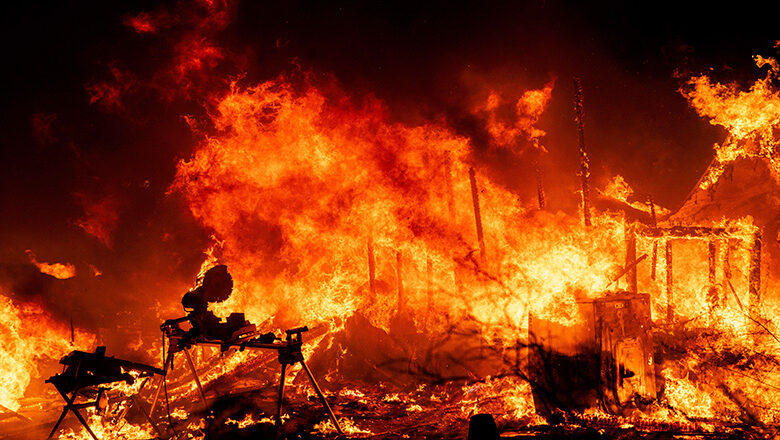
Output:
x=754 y=280
x=653 y=223
x=451 y=205
x=398 y=274
x=669 y=283
x=540 y=196
x=429 y=281
x=450 y=190
x=371 y=267
x=477 y=213
x=584 y=160
x=713 y=302
x=631 y=259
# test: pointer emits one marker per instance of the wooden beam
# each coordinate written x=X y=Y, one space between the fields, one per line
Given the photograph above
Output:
x=584 y=159
x=754 y=277
x=686 y=232
x=371 y=267
x=477 y=213
x=669 y=284
x=713 y=301
x=630 y=258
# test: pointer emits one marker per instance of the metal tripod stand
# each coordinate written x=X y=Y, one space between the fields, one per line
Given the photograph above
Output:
x=173 y=348
x=289 y=353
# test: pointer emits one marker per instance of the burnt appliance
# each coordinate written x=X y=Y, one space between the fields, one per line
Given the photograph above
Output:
x=603 y=361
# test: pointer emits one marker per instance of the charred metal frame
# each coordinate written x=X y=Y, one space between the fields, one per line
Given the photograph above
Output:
x=713 y=235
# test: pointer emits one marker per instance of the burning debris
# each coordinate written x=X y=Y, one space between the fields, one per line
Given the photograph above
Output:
x=86 y=374
x=435 y=298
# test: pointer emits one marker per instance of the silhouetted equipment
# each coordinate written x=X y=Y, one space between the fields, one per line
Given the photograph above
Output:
x=215 y=287
x=83 y=375
x=483 y=427
x=605 y=360
x=236 y=332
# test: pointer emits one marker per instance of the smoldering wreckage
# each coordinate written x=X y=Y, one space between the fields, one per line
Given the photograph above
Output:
x=627 y=321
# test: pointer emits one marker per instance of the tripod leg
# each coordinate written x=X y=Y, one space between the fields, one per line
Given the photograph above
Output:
x=84 y=422
x=69 y=406
x=281 y=398
x=322 y=398
x=168 y=362
x=197 y=379
x=57 y=425
x=68 y=402
x=147 y=415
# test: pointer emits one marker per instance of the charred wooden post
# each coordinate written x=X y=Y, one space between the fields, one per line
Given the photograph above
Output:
x=540 y=196
x=477 y=213
x=626 y=269
x=654 y=223
x=400 y=281
x=429 y=283
x=713 y=300
x=450 y=190
x=584 y=160
x=669 y=283
x=754 y=277
x=727 y=261
x=371 y=267
x=631 y=259
x=727 y=273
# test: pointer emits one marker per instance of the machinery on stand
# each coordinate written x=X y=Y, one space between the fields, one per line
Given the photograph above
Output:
x=88 y=375
x=206 y=329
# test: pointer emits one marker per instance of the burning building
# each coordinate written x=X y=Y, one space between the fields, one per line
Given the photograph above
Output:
x=385 y=254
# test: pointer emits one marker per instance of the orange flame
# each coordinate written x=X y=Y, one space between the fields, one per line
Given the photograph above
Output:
x=751 y=117
x=62 y=271
x=294 y=183
x=29 y=336
x=506 y=125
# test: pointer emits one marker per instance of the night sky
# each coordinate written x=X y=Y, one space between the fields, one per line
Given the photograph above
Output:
x=423 y=59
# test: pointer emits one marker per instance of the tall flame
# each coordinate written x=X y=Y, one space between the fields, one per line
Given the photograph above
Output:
x=297 y=181
x=29 y=335
x=752 y=117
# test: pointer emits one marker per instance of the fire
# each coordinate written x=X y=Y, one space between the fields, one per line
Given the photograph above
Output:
x=505 y=125
x=408 y=259
x=112 y=429
x=751 y=117
x=62 y=271
x=30 y=335
x=294 y=182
